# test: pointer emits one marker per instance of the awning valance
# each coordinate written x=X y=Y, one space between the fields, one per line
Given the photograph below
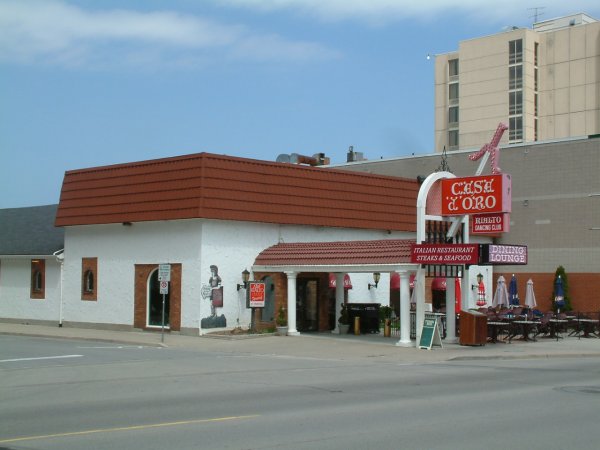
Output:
x=347 y=281
x=395 y=281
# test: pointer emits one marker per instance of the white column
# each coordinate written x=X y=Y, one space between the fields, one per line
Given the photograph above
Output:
x=291 y=303
x=404 y=310
x=339 y=299
x=450 y=314
x=467 y=293
x=420 y=301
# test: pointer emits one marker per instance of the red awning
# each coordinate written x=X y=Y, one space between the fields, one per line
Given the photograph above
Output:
x=438 y=284
x=347 y=282
x=395 y=281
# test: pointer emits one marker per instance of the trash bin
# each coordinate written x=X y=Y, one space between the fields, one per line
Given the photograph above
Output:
x=473 y=328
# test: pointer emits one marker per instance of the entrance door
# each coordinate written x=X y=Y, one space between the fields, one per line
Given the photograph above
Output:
x=155 y=302
x=307 y=312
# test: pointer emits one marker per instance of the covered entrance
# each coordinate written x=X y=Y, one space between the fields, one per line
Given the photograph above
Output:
x=147 y=313
x=302 y=261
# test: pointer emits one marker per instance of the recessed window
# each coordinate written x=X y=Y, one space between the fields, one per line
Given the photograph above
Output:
x=515 y=103
x=89 y=278
x=515 y=129
x=515 y=77
x=453 y=115
x=515 y=51
x=453 y=139
x=38 y=279
x=453 y=68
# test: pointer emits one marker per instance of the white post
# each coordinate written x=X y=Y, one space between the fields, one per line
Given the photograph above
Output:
x=291 y=303
x=450 y=314
x=404 y=310
x=339 y=299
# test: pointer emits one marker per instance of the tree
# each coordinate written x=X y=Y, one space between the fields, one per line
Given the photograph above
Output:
x=565 y=284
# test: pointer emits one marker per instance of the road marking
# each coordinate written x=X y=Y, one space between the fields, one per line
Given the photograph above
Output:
x=41 y=357
x=134 y=427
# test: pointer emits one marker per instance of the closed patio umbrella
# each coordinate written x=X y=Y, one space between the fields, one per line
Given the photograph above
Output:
x=457 y=295
x=501 y=294
x=559 y=294
x=513 y=291
x=530 y=295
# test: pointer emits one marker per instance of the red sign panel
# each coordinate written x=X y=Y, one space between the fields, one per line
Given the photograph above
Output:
x=256 y=294
x=476 y=195
x=441 y=254
x=490 y=223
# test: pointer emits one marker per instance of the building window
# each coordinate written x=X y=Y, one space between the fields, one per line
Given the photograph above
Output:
x=515 y=51
x=515 y=103
x=515 y=129
x=515 y=77
x=535 y=105
x=536 y=53
x=535 y=129
x=453 y=69
x=38 y=279
x=89 y=278
x=453 y=93
x=452 y=116
x=452 y=139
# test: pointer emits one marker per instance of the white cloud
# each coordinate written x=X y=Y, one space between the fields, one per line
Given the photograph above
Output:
x=55 y=32
x=385 y=11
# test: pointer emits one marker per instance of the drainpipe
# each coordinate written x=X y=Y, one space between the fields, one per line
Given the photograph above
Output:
x=60 y=257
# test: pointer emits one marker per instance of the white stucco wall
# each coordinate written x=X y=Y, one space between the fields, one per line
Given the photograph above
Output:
x=15 y=289
x=196 y=245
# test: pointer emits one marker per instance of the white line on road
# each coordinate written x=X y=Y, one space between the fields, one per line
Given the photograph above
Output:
x=41 y=357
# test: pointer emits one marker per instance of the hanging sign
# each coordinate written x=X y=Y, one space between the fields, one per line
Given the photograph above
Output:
x=444 y=254
x=256 y=294
x=430 y=333
x=498 y=255
x=476 y=195
x=490 y=223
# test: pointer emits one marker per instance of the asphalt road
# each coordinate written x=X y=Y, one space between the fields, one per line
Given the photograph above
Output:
x=67 y=394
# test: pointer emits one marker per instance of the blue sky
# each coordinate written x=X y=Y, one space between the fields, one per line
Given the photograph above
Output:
x=88 y=82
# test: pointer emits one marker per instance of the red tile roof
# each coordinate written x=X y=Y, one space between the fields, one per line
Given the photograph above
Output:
x=212 y=186
x=392 y=251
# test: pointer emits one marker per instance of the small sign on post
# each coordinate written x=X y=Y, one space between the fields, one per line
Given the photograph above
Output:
x=164 y=287
x=164 y=272
x=256 y=294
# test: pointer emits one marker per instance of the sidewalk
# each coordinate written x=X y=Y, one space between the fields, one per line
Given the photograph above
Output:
x=322 y=345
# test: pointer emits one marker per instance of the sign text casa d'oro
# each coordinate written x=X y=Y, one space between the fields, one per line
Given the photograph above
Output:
x=482 y=194
x=444 y=254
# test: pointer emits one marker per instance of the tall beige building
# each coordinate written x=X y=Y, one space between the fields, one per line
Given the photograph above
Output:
x=544 y=83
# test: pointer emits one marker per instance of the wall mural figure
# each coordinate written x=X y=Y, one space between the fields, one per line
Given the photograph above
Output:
x=215 y=293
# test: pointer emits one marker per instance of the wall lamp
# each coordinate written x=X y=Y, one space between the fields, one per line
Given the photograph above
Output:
x=376 y=277
x=245 y=278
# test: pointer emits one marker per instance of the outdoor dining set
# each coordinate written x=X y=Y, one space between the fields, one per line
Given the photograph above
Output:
x=506 y=324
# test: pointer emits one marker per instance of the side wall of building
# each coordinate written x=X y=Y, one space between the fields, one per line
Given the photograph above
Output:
x=16 y=303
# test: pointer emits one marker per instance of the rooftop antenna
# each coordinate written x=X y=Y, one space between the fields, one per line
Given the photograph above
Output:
x=537 y=13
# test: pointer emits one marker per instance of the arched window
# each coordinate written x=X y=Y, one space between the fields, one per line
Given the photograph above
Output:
x=37 y=281
x=88 y=280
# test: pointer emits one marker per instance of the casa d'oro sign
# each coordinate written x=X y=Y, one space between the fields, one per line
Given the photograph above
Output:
x=482 y=194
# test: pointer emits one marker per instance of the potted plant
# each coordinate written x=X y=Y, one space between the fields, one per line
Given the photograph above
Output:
x=344 y=320
x=281 y=321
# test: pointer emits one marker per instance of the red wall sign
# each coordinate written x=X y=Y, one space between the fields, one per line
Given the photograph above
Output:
x=256 y=294
x=476 y=195
x=490 y=223
x=453 y=254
